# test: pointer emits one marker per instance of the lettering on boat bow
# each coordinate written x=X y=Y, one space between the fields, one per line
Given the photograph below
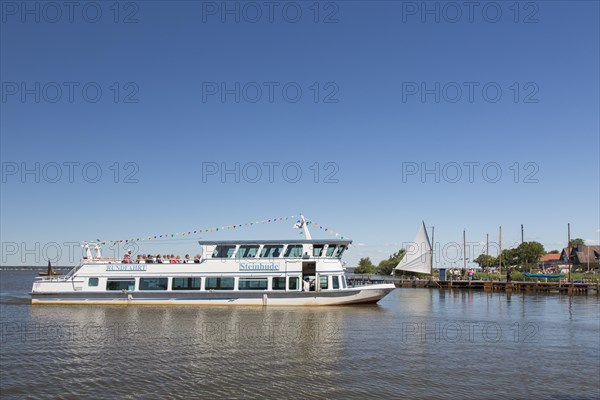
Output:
x=259 y=267
x=137 y=267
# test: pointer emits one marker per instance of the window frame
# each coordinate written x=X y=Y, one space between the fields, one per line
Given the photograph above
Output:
x=339 y=250
x=219 y=280
x=187 y=278
x=248 y=247
x=335 y=282
x=293 y=247
x=123 y=279
x=263 y=280
x=230 y=247
x=279 y=278
x=297 y=279
x=331 y=247
x=318 y=246
x=270 y=248
x=157 y=278
x=324 y=279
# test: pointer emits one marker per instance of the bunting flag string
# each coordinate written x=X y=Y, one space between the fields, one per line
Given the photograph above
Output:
x=217 y=229
x=196 y=231
x=324 y=228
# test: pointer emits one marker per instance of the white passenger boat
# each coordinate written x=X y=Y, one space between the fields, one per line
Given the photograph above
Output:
x=237 y=272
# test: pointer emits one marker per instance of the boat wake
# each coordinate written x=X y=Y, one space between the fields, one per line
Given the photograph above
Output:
x=12 y=299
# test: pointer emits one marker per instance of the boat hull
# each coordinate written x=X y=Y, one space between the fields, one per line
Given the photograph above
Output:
x=359 y=295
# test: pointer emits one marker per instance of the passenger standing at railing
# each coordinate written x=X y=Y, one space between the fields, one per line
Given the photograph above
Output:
x=126 y=259
x=159 y=259
x=172 y=260
x=187 y=259
x=306 y=284
x=197 y=259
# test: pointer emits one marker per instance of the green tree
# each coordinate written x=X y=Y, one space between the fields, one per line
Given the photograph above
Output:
x=509 y=257
x=529 y=253
x=365 y=266
x=386 y=267
x=485 y=261
x=553 y=252
x=576 y=242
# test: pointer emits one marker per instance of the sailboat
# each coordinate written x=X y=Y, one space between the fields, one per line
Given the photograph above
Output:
x=419 y=259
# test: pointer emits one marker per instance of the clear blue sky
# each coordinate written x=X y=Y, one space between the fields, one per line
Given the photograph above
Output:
x=369 y=61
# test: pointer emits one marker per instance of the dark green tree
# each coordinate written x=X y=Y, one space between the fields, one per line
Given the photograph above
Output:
x=576 y=242
x=485 y=261
x=386 y=267
x=365 y=266
x=524 y=257
x=510 y=258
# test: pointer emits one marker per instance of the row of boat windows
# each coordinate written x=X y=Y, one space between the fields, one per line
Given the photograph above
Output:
x=218 y=283
x=271 y=251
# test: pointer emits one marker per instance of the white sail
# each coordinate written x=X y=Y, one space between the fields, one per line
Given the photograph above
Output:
x=418 y=254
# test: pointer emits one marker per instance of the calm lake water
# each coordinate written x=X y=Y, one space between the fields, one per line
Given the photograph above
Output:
x=416 y=343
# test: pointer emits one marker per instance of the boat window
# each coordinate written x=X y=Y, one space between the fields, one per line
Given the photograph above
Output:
x=318 y=250
x=253 y=284
x=93 y=282
x=330 y=250
x=270 y=251
x=335 y=281
x=294 y=283
x=247 y=251
x=294 y=251
x=219 y=283
x=344 y=282
x=279 y=283
x=120 y=284
x=324 y=284
x=154 y=283
x=186 y=283
x=340 y=250
x=223 y=251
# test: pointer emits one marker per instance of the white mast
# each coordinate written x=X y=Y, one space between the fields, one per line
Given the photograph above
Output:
x=304 y=226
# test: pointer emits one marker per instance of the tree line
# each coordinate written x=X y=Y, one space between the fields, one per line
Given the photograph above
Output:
x=385 y=267
x=524 y=257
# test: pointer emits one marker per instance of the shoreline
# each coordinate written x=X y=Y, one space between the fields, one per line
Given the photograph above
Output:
x=556 y=287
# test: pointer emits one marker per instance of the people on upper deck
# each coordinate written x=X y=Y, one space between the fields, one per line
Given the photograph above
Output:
x=160 y=259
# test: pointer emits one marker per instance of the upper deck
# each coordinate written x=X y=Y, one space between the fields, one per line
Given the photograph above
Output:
x=272 y=249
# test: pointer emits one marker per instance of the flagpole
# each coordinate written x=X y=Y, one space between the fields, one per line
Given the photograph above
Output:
x=487 y=250
x=500 y=252
x=465 y=251
x=432 y=249
x=569 y=248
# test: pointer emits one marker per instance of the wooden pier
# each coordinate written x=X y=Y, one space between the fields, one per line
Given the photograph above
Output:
x=561 y=287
